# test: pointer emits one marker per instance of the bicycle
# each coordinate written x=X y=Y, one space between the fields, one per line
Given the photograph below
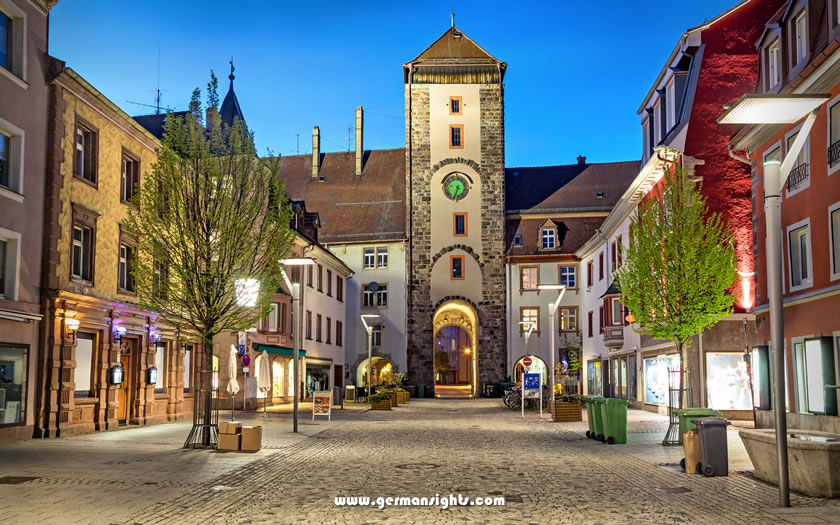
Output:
x=513 y=398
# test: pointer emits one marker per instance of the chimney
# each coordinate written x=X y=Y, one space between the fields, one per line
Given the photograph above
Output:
x=581 y=159
x=316 y=151
x=360 y=148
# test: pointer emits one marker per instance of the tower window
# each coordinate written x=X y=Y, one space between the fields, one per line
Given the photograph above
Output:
x=456 y=136
x=454 y=105
x=460 y=225
x=456 y=267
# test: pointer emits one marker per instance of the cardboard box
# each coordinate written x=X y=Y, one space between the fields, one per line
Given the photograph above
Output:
x=230 y=427
x=229 y=441
x=251 y=438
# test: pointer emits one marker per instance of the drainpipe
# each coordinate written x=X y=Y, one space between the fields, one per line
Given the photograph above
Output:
x=735 y=156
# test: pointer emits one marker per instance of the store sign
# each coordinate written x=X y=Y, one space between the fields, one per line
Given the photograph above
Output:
x=246 y=291
x=322 y=404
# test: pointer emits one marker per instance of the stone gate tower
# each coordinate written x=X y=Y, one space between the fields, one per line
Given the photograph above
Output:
x=455 y=158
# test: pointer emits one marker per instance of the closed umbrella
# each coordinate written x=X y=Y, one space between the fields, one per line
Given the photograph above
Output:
x=233 y=384
x=264 y=382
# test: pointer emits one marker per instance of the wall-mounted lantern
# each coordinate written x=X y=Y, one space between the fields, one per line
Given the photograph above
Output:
x=72 y=325
x=116 y=373
x=119 y=333
x=152 y=375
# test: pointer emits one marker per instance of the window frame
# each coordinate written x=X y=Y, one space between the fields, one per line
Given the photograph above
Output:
x=339 y=335
x=382 y=292
x=379 y=250
x=573 y=311
x=575 y=275
x=455 y=224
x=17 y=30
x=15 y=160
x=807 y=282
x=83 y=124
x=657 y=122
x=24 y=390
x=619 y=321
x=521 y=280
x=329 y=331
x=127 y=155
x=799 y=60
x=590 y=273
x=127 y=287
x=460 y=106
x=339 y=288
x=833 y=264
x=83 y=218
x=274 y=318
x=517 y=241
x=774 y=64
x=329 y=283
x=319 y=319
x=601 y=265
x=376 y=330
x=364 y=257
x=460 y=128
x=553 y=238
x=308 y=327
x=806 y=159
x=310 y=275
x=452 y=268
x=590 y=320
x=365 y=293
x=522 y=310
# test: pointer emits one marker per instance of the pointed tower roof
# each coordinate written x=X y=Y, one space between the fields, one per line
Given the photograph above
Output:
x=454 y=47
x=230 y=105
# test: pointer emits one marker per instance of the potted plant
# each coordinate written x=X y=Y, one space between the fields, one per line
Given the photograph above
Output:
x=379 y=402
x=399 y=382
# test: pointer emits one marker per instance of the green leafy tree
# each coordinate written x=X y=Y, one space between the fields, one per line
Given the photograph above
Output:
x=442 y=362
x=209 y=216
x=678 y=272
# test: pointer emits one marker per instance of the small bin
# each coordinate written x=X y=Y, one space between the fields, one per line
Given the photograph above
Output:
x=598 y=418
x=691 y=446
x=687 y=415
x=713 y=447
x=614 y=413
x=421 y=390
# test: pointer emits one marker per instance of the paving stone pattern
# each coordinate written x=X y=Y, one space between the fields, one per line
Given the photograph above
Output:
x=548 y=473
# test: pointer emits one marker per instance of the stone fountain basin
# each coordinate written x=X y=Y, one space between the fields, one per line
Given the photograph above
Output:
x=813 y=459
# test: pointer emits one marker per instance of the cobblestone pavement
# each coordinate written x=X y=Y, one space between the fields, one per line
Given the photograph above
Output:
x=547 y=472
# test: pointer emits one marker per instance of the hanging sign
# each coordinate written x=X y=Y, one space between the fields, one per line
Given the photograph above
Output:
x=531 y=390
x=322 y=404
x=246 y=360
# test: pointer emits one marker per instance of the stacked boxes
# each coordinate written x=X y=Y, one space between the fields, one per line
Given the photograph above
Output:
x=230 y=435
x=251 y=439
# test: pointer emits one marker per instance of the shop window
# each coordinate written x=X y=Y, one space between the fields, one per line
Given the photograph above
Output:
x=456 y=267
x=568 y=276
x=459 y=228
x=568 y=319
x=593 y=377
x=329 y=331
x=382 y=257
x=529 y=316
x=727 y=381
x=376 y=335
x=130 y=181
x=329 y=283
x=82 y=375
x=456 y=136
x=454 y=105
x=529 y=277
x=549 y=238
x=14 y=364
x=657 y=378
x=339 y=288
x=215 y=375
x=187 y=367
x=318 y=319
x=339 y=333
x=799 y=255
x=85 y=166
x=160 y=364
x=369 y=258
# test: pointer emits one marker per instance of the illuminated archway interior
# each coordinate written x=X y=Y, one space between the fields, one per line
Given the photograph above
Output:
x=456 y=347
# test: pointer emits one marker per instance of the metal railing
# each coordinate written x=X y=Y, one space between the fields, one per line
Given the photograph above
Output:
x=797 y=176
x=834 y=153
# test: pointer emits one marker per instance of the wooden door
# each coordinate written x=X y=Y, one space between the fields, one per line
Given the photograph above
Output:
x=124 y=390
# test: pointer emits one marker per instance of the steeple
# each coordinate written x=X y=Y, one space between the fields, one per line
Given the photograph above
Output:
x=230 y=106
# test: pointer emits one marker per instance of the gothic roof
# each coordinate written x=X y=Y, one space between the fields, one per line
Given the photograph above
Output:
x=352 y=208
x=230 y=105
x=154 y=123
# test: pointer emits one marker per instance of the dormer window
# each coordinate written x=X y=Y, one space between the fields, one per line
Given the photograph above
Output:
x=800 y=32
x=517 y=241
x=549 y=238
x=773 y=64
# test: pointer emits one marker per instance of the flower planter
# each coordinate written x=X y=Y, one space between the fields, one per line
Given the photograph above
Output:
x=402 y=397
x=394 y=400
x=566 y=411
x=384 y=404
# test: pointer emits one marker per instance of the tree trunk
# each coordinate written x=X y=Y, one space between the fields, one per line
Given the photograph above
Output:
x=207 y=341
x=681 y=349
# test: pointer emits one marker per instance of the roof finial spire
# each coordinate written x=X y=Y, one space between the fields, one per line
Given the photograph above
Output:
x=231 y=76
x=452 y=14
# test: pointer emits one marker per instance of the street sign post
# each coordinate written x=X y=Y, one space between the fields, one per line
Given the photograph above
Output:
x=241 y=349
x=531 y=389
x=246 y=360
x=526 y=361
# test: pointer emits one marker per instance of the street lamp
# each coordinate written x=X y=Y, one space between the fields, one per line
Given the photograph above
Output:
x=777 y=109
x=552 y=309
x=529 y=327
x=295 y=289
x=369 y=330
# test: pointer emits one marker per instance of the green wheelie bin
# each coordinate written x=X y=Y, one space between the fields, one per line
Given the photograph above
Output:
x=595 y=405
x=686 y=416
x=589 y=402
x=614 y=414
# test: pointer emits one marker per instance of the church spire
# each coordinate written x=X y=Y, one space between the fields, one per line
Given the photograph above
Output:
x=230 y=106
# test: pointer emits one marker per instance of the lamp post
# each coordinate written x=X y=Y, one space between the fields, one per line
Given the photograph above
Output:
x=369 y=331
x=781 y=110
x=552 y=309
x=294 y=288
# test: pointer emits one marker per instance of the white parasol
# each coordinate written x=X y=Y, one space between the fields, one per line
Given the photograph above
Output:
x=233 y=384
x=264 y=381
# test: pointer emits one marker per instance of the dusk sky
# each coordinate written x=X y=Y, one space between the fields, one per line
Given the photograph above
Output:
x=577 y=71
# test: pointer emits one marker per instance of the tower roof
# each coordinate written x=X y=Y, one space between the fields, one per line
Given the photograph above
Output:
x=230 y=105
x=454 y=47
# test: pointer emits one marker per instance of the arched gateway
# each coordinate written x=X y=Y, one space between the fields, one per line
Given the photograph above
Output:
x=456 y=349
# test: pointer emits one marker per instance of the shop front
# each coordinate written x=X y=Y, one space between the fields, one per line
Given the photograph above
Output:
x=622 y=377
x=657 y=371
x=282 y=366
x=594 y=377
x=318 y=376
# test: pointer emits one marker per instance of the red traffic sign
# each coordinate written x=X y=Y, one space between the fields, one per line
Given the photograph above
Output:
x=246 y=360
x=526 y=361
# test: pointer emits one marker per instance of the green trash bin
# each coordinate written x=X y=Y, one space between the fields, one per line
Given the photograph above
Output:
x=687 y=414
x=589 y=403
x=614 y=413
x=595 y=404
x=421 y=390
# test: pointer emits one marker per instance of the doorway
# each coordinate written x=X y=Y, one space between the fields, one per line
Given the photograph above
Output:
x=128 y=349
x=455 y=350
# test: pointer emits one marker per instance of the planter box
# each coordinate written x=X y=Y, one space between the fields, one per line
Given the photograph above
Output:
x=566 y=411
x=385 y=404
x=813 y=459
x=394 y=400
x=402 y=397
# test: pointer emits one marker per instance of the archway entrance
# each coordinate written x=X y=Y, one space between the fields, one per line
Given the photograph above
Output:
x=537 y=367
x=455 y=350
x=383 y=372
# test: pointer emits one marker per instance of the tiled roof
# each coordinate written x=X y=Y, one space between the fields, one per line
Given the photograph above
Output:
x=572 y=233
x=565 y=187
x=154 y=123
x=352 y=208
x=454 y=45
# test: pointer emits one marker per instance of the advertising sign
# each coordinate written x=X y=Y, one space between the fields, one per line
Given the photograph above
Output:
x=322 y=404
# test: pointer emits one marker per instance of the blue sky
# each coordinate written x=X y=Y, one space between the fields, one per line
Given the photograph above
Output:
x=577 y=71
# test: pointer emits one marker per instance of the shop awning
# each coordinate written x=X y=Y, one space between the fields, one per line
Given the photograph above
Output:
x=280 y=350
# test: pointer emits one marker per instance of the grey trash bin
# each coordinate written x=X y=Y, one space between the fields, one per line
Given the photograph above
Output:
x=713 y=446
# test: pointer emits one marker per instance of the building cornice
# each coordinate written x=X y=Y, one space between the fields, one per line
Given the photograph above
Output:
x=43 y=6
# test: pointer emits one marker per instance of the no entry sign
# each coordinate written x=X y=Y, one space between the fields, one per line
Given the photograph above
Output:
x=246 y=360
x=527 y=361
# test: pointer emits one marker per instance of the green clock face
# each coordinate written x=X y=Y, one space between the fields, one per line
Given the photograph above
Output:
x=456 y=186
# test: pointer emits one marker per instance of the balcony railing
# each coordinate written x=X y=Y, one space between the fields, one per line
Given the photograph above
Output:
x=797 y=176
x=834 y=153
x=613 y=336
